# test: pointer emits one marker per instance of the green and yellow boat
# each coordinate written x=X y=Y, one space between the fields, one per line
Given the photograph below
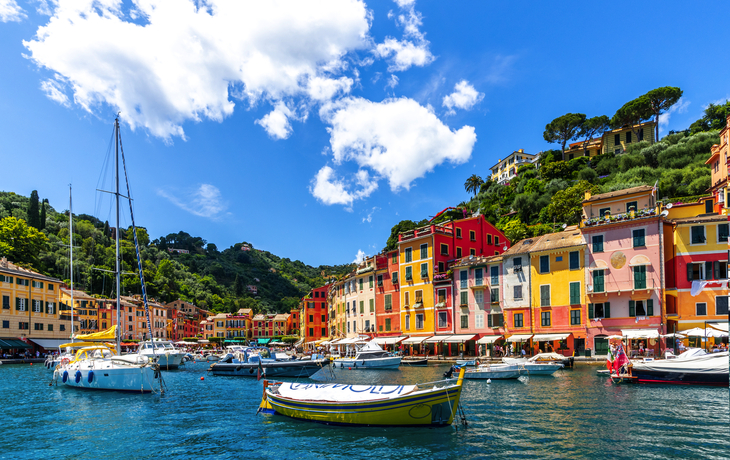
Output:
x=423 y=404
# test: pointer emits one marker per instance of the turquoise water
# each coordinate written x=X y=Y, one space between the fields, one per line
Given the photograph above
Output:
x=572 y=414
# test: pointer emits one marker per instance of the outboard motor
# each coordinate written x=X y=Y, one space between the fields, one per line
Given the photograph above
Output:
x=450 y=372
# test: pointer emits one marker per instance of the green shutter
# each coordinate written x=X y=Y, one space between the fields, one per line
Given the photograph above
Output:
x=708 y=270
x=632 y=308
x=717 y=270
x=650 y=307
x=575 y=293
x=689 y=272
x=489 y=320
x=607 y=310
x=17 y=303
x=590 y=311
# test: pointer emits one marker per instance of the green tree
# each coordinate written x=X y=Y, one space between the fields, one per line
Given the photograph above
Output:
x=515 y=230
x=33 y=210
x=566 y=205
x=42 y=221
x=593 y=127
x=473 y=184
x=632 y=113
x=715 y=118
x=400 y=227
x=660 y=100
x=564 y=129
x=20 y=242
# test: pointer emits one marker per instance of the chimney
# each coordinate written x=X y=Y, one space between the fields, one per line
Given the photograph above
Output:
x=588 y=194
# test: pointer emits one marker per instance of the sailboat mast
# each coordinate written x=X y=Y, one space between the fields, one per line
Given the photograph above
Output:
x=117 y=271
x=71 y=251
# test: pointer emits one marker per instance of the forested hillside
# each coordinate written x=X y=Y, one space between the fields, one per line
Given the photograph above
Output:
x=34 y=234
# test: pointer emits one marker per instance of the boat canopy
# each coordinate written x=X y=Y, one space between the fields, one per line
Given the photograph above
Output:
x=519 y=338
x=103 y=336
x=489 y=338
x=640 y=333
x=263 y=341
x=389 y=340
x=414 y=340
x=459 y=338
x=549 y=337
x=80 y=344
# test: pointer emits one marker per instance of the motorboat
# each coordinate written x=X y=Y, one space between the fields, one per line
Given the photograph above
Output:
x=163 y=351
x=540 y=364
x=368 y=356
x=466 y=362
x=423 y=404
x=565 y=361
x=493 y=372
x=414 y=361
x=693 y=367
x=260 y=362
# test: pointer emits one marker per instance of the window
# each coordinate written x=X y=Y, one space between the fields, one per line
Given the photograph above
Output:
x=545 y=318
x=701 y=309
x=408 y=322
x=709 y=206
x=372 y=305
x=574 y=260
x=424 y=270
x=441 y=296
x=443 y=319
x=394 y=260
x=441 y=267
x=37 y=284
x=495 y=320
x=698 y=234
x=479 y=299
x=597 y=241
x=640 y=277
x=575 y=317
x=50 y=308
x=419 y=296
x=38 y=326
x=6 y=324
x=494 y=275
x=518 y=320
x=424 y=251
x=323 y=319
x=348 y=327
x=478 y=277
x=617 y=139
x=722 y=233
x=575 y=293
x=558 y=258
x=407 y=299
x=518 y=292
x=628 y=137
x=362 y=307
x=489 y=239
x=472 y=235
x=22 y=325
x=409 y=255
x=380 y=280
x=21 y=282
x=494 y=295
x=419 y=321
x=598 y=281
x=641 y=134
x=603 y=211
x=458 y=232
x=479 y=321
x=37 y=306
x=639 y=237
x=367 y=325
x=395 y=278
x=458 y=253
x=544 y=264
x=545 y=296
x=409 y=273
x=6 y=279
x=444 y=249
x=388 y=301
x=387 y=324
x=62 y=327
x=472 y=252
x=6 y=302
x=721 y=306
x=464 y=321
x=360 y=281
x=370 y=281
x=463 y=275
x=464 y=300
x=496 y=240
x=21 y=304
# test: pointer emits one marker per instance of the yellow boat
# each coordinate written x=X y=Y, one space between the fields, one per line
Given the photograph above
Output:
x=424 y=404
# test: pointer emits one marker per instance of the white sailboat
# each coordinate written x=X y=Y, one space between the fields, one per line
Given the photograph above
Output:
x=97 y=363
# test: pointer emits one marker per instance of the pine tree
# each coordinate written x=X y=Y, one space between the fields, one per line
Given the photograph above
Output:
x=43 y=214
x=33 y=218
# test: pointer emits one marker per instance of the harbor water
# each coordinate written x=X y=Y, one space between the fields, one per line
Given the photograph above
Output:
x=572 y=414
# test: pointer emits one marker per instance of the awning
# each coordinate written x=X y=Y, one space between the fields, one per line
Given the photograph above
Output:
x=347 y=341
x=718 y=326
x=489 y=338
x=640 y=333
x=322 y=340
x=388 y=340
x=549 y=337
x=48 y=344
x=9 y=344
x=414 y=340
x=519 y=338
x=263 y=341
x=459 y=338
x=437 y=338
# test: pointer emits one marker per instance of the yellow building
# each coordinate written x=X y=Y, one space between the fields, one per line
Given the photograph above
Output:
x=577 y=149
x=29 y=311
x=85 y=310
x=617 y=140
x=557 y=272
x=219 y=324
x=416 y=285
x=506 y=169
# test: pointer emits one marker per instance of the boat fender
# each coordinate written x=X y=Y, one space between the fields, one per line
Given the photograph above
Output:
x=363 y=362
x=65 y=376
x=250 y=371
x=78 y=376
x=90 y=377
x=354 y=364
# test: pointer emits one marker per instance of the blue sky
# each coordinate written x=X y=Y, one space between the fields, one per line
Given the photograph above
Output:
x=309 y=129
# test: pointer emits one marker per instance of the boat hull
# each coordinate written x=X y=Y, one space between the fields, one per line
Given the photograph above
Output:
x=392 y=362
x=433 y=409
x=681 y=378
x=414 y=362
x=539 y=369
x=107 y=376
x=497 y=372
x=270 y=369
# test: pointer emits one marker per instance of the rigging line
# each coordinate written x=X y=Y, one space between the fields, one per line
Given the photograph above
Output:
x=101 y=180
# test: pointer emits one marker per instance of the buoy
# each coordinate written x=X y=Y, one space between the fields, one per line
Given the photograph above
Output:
x=31 y=364
x=202 y=378
x=349 y=368
x=489 y=380
x=65 y=376
x=90 y=377
x=78 y=376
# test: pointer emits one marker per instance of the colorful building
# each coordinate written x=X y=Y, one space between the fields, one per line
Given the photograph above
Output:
x=506 y=169
x=387 y=294
x=618 y=140
x=365 y=299
x=85 y=309
x=313 y=314
x=625 y=238
x=718 y=162
x=593 y=148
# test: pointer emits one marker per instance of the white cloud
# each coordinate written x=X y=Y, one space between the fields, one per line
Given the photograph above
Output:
x=359 y=257
x=329 y=189
x=680 y=107
x=369 y=217
x=397 y=139
x=165 y=62
x=392 y=82
x=276 y=123
x=10 y=11
x=413 y=49
x=464 y=97
x=206 y=201
x=54 y=91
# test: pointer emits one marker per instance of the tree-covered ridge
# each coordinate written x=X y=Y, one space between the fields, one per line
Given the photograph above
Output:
x=212 y=279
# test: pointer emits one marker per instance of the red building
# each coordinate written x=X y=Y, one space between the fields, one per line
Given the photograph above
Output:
x=387 y=295
x=313 y=315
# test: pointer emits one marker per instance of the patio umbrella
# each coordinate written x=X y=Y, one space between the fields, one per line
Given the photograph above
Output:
x=695 y=332
x=674 y=335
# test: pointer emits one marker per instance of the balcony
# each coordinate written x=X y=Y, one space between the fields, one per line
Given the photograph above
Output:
x=617 y=218
x=424 y=231
x=442 y=277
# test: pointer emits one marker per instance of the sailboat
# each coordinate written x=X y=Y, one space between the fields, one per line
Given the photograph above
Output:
x=98 y=363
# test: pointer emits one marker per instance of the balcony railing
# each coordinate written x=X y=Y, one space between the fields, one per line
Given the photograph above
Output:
x=623 y=217
x=423 y=231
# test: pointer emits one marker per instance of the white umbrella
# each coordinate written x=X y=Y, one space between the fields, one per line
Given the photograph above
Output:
x=675 y=335
x=695 y=332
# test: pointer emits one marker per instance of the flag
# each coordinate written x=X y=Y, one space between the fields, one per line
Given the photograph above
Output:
x=654 y=189
x=621 y=358
x=609 y=359
x=260 y=371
